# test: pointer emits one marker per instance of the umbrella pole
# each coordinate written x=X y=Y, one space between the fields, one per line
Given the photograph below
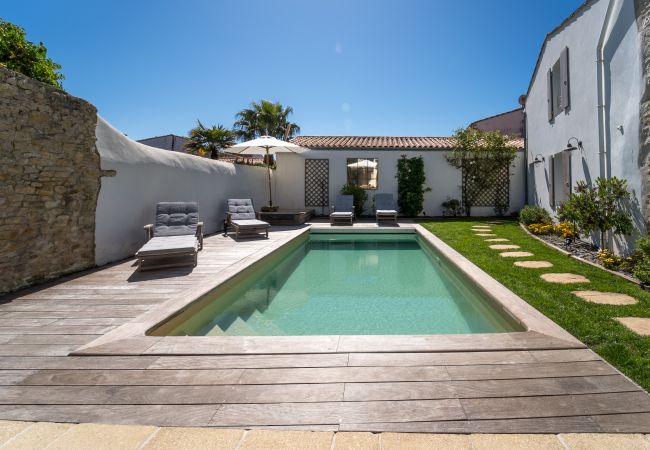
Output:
x=268 y=168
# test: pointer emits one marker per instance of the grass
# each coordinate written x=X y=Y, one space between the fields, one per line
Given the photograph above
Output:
x=592 y=323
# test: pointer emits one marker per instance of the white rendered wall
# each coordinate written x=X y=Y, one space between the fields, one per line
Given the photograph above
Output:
x=443 y=179
x=623 y=90
x=146 y=176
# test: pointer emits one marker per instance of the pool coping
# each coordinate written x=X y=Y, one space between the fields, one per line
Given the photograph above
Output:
x=541 y=332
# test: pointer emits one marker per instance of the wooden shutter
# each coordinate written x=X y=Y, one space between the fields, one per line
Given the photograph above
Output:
x=551 y=184
x=566 y=175
x=564 y=79
x=549 y=93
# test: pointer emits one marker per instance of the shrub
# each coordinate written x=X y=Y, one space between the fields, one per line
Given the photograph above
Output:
x=641 y=269
x=452 y=207
x=600 y=207
x=534 y=214
x=411 y=185
x=609 y=260
x=360 y=197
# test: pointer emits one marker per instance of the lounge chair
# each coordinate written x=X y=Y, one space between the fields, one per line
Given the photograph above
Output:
x=343 y=210
x=385 y=207
x=241 y=216
x=176 y=232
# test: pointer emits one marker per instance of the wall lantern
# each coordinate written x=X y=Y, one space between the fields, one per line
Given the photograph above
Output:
x=539 y=159
x=570 y=147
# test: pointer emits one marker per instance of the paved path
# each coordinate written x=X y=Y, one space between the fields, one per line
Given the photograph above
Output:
x=534 y=389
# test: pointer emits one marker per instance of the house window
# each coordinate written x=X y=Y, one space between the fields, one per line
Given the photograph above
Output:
x=557 y=80
x=363 y=172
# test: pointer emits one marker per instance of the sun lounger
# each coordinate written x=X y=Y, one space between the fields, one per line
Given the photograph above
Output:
x=176 y=232
x=385 y=207
x=343 y=210
x=241 y=216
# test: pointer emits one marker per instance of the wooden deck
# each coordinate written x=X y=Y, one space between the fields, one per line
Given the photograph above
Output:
x=517 y=391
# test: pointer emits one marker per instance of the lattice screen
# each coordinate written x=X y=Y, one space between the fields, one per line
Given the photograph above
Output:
x=317 y=187
x=499 y=195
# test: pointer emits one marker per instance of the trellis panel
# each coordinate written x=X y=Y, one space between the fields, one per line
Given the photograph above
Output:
x=498 y=195
x=317 y=175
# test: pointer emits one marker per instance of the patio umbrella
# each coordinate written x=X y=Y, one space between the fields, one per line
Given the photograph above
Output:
x=363 y=163
x=266 y=145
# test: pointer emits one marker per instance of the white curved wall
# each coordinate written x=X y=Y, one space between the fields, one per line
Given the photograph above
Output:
x=147 y=175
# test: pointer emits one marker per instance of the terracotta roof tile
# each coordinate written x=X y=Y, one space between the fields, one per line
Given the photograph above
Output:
x=381 y=142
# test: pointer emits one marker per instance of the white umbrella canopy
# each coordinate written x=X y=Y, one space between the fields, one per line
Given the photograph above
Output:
x=266 y=145
x=363 y=163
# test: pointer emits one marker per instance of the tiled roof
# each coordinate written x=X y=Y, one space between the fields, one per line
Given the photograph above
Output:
x=381 y=142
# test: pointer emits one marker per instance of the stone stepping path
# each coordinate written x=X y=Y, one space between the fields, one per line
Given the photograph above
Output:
x=481 y=230
x=497 y=240
x=480 y=226
x=564 y=278
x=485 y=234
x=515 y=254
x=534 y=264
x=640 y=325
x=504 y=247
x=606 y=298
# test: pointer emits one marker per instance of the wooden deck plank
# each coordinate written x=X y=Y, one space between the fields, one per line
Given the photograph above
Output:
x=134 y=377
x=343 y=374
x=79 y=339
x=58 y=329
x=251 y=361
x=76 y=362
x=336 y=412
x=537 y=370
x=170 y=395
x=440 y=358
x=36 y=349
x=486 y=388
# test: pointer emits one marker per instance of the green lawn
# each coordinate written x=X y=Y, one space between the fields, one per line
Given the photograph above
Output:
x=593 y=324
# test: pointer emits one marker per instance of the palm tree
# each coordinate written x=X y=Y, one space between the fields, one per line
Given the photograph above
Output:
x=265 y=118
x=203 y=140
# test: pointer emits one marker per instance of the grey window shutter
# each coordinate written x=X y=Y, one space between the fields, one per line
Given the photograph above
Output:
x=564 y=79
x=566 y=175
x=551 y=184
x=549 y=94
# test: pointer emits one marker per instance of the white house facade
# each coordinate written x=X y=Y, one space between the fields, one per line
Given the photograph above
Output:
x=582 y=108
x=311 y=180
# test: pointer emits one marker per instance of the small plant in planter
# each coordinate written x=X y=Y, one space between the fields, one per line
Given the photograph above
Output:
x=452 y=207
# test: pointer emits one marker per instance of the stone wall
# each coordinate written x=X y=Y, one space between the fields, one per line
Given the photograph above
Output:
x=49 y=182
x=643 y=23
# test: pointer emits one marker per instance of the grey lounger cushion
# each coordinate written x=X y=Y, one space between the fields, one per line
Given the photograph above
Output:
x=341 y=214
x=169 y=245
x=344 y=203
x=241 y=209
x=176 y=219
x=250 y=223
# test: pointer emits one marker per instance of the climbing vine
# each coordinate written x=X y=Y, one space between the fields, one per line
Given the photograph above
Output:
x=411 y=185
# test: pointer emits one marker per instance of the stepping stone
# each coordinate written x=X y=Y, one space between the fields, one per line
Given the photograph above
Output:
x=480 y=226
x=495 y=222
x=482 y=230
x=533 y=264
x=485 y=234
x=640 y=325
x=564 y=278
x=503 y=247
x=497 y=240
x=515 y=254
x=606 y=298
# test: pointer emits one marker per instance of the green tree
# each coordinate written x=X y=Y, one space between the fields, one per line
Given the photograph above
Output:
x=265 y=118
x=209 y=141
x=21 y=55
x=600 y=207
x=481 y=156
x=411 y=186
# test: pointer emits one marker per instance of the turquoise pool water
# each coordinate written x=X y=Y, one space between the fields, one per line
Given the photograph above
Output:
x=336 y=284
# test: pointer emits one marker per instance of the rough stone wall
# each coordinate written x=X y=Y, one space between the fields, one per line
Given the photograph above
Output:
x=49 y=182
x=643 y=23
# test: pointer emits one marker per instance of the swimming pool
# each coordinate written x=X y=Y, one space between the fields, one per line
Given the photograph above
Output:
x=345 y=284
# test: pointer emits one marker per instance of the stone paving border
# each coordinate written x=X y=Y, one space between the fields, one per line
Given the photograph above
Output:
x=37 y=435
x=640 y=325
x=564 y=278
x=606 y=298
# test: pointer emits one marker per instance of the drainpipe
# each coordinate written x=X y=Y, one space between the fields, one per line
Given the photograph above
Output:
x=603 y=151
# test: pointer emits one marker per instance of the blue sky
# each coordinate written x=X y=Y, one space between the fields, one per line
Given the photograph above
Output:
x=360 y=67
